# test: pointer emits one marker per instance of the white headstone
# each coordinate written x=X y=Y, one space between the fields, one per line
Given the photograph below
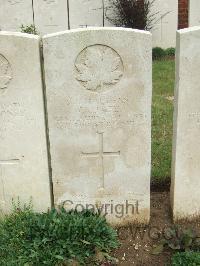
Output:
x=99 y=109
x=109 y=13
x=194 y=13
x=14 y=13
x=185 y=194
x=165 y=24
x=23 y=149
x=50 y=15
x=85 y=13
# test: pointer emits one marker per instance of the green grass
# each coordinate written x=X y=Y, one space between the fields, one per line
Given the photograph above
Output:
x=186 y=259
x=54 y=238
x=162 y=119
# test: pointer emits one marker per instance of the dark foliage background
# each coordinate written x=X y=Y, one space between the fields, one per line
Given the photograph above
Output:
x=135 y=14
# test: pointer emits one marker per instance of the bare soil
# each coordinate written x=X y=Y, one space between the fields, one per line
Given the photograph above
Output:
x=137 y=243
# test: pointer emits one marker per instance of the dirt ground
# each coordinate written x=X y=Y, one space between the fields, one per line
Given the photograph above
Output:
x=136 y=243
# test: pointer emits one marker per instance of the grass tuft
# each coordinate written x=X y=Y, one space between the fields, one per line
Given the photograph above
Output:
x=54 y=238
x=186 y=259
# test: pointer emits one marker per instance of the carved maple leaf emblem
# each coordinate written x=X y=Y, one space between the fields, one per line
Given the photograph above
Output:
x=98 y=67
x=5 y=73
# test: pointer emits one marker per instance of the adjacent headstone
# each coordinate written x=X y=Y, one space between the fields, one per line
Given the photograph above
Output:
x=109 y=13
x=165 y=24
x=194 y=13
x=185 y=194
x=15 y=13
x=23 y=149
x=99 y=87
x=85 y=13
x=50 y=15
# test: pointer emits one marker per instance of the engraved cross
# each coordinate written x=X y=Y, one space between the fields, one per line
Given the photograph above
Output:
x=3 y=163
x=101 y=154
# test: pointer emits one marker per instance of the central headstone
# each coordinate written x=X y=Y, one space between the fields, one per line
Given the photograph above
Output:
x=98 y=84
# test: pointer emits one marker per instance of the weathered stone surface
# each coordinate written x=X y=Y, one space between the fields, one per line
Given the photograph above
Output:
x=185 y=194
x=194 y=14
x=14 y=13
x=50 y=15
x=85 y=13
x=99 y=106
x=23 y=149
x=108 y=13
x=165 y=23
